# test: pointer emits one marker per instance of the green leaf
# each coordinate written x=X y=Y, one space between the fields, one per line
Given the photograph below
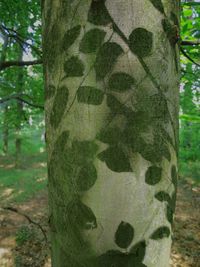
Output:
x=158 y=5
x=90 y=95
x=160 y=233
x=124 y=235
x=74 y=67
x=163 y=196
x=120 y=82
x=115 y=159
x=92 y=40
x=106 y=58
x=138 y=251
x=59 y=106
x=86 y=177
x=141 y=42
x=153 y=175
x=70 y=37
x=98 y=13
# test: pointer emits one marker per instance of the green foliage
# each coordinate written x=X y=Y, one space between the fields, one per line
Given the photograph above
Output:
x=23 y=235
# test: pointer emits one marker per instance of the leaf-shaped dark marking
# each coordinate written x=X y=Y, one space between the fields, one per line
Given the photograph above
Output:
x=153 y=175
x=92 y=40
x=141 y=42
x=115 y=105
x=90 y=95
x=87 y=177
x=120 y=81
x=174 y=175
x=170 y=30
x=163 y=196
x=110 y=135
x=98 y=13
x=160 y=233
x=169 y=214
x=115 y=159
x=150 y=153
x=116 y=258
x=50 y=91
x=81 y=215
x=158 y=5
x=83 y=151
x=106 y=58
x=70 y=37
x=124 y=235
x=138 y=251
x=59 y=106
x=74 y=67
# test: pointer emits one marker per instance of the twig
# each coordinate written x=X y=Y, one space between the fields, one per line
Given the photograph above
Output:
x=7 y=64
x=188 y=57
x=29 y=220
x=19 y=98
x=195 y=42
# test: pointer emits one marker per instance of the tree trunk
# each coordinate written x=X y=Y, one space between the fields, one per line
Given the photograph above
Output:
x=5 y=121
x=112 y=76
x=5 y=131
x=19 y=89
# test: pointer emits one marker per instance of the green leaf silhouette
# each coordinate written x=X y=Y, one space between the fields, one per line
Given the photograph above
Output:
x=92 y=40
x=124 y=235
x=160 y=233
x=74 y=67
x=70 y=37
x=87 y=177
x=115 y=159
x=120 y=82
x=141 y=42
x=90 y=95
x=153 y=175
x=98 y=13
x=106 y=58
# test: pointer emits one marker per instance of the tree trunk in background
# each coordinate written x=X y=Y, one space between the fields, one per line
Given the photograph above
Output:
x=5 y=121
x=112 y=76
x=5 y=131
x=19 y=89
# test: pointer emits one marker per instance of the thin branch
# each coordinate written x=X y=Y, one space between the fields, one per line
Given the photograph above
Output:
x=29 y=220
x=7 y=64
x=19 y=98
x=188 y=57
x=190 y=43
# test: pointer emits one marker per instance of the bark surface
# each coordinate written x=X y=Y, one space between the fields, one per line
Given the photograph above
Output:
x=112 y=76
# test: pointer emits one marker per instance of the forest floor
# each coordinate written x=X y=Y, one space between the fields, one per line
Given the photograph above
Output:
x=22 y=244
